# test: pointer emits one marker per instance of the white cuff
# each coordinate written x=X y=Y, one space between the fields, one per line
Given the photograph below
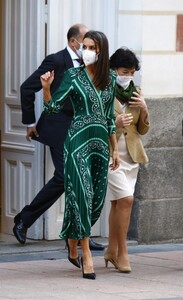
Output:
x=31 y=125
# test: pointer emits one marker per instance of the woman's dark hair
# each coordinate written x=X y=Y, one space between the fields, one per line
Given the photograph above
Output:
x=101 y=77
x=124 y=58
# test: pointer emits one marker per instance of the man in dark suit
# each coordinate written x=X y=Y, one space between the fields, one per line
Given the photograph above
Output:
x=50 y=130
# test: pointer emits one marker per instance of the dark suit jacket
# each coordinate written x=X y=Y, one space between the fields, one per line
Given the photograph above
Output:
x=52 y=128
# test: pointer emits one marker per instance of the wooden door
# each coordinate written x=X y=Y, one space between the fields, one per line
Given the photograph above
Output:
x=23 y=48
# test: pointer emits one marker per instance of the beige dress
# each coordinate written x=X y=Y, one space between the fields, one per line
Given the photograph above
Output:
x=121 y=182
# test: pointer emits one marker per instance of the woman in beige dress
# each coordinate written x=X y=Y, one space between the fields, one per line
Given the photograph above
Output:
x=132 y=120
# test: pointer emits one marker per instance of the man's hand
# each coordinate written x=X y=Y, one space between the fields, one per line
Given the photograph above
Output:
x=30 y=132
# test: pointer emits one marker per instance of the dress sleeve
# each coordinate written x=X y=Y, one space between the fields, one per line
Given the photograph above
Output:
x=110 y=111
x=58 y=98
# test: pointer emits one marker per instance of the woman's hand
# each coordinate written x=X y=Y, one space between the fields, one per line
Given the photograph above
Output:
x=47 y=79
x=116 y=160
x=138 y=101
x=123 y=120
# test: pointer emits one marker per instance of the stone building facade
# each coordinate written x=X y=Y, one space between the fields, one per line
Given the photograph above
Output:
x=154 y=30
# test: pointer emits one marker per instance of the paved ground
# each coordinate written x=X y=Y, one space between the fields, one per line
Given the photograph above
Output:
x=40 y=271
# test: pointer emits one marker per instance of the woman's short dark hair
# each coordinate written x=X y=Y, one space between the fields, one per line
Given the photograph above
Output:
x=101 y=77
x=124 y=58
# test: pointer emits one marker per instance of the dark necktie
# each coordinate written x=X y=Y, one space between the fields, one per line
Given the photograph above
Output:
x=78 y=60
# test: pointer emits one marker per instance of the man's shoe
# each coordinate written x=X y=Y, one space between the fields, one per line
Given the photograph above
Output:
x=20 y=232
x=95 y=246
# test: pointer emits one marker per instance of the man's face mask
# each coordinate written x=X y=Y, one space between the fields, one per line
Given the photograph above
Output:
x=79 y=51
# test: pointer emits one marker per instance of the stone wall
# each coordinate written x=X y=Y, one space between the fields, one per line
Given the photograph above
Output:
x=157 y=214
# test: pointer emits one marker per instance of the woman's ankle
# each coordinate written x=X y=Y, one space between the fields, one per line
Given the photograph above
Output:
x=111 y=252
x=87 y=263
x=123 y=260
x=73 y=248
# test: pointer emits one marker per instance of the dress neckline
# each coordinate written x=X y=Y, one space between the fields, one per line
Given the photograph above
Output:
x=97 y=92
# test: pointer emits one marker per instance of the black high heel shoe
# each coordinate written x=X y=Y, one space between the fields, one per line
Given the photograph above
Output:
x=74 y=261
x=87 y=275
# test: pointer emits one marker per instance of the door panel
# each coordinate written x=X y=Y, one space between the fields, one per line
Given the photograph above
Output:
x=21 y=163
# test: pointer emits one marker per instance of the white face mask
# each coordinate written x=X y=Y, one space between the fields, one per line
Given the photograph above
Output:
x=124 y=81
x=89 y=57
x=79 y=51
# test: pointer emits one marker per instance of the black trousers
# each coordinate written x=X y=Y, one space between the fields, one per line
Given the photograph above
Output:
x=49 y=193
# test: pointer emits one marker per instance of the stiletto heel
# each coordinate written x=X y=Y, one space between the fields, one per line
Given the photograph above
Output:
x=87 y=275
x=106 y=262
x=107 y=258
x=74 y=261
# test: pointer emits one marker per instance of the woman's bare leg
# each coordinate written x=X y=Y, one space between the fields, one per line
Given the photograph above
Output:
x=86 y=256
x=73 y=249
x=111 y=253
x=112 y=248
x=123 y=213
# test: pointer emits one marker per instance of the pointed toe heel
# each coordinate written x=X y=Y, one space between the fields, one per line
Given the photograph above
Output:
x=125 y=269
x=87 y=275
x=74 y=261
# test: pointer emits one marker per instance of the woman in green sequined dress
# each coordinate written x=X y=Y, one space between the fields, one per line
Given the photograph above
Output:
x=91 y=88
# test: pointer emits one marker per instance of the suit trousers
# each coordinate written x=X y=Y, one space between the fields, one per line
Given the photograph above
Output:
x=48 y=195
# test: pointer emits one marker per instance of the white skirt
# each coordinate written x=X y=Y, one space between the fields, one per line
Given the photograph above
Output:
x=121 y=182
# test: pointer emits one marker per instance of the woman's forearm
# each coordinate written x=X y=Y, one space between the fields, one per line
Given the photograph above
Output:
x=114 y=142
x=115 y=156
x=46 y=81
x=46 y=95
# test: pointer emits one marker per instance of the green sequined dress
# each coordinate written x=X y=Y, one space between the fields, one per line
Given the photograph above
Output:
x=86 y=150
